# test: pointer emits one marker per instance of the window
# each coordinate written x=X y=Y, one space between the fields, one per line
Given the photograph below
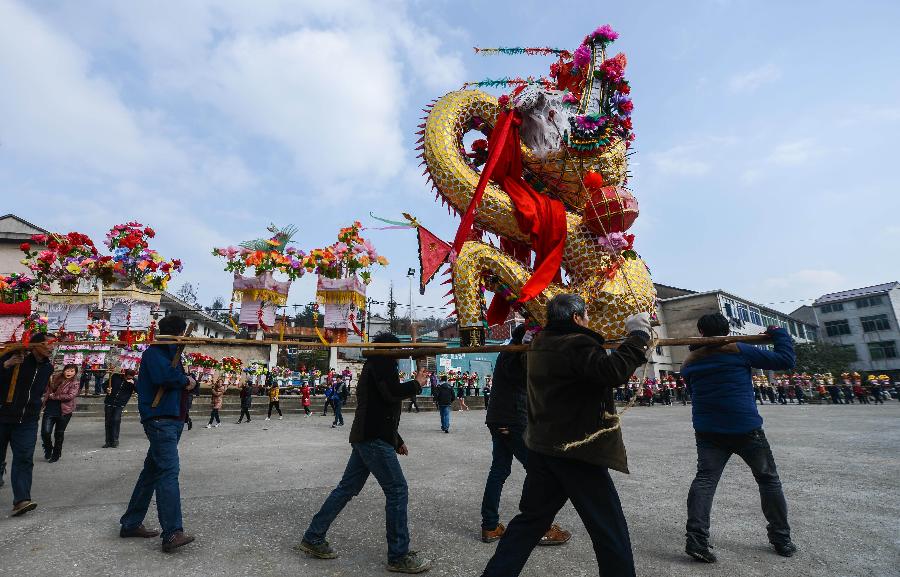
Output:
x=851 y=349
x=883 y=350
x=729 y=311
x=837 y=328
x=811 y=333
x=743 y=312
x=755 y=316
x=875 y=323
x=800 y=331
x=832 y=308
x=868 y=302
x=792 y=326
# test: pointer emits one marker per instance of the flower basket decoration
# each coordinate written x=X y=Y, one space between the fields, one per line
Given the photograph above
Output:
x=344 y=270
x=261 y=293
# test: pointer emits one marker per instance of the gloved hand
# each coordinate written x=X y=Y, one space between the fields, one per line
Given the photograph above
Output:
x=639 y=322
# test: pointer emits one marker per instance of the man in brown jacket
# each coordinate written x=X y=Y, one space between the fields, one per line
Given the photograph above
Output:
x=571 y=381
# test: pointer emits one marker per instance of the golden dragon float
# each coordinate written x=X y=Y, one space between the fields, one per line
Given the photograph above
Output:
x=549 y=180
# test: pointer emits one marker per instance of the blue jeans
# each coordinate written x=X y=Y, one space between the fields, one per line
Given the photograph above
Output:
x=445 y=417
x=160 y=475
x=22 y=438
x=506 y=446
x=379 y=459
x=98 y=382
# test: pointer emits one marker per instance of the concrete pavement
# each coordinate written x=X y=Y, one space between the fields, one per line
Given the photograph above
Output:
x=249 y=490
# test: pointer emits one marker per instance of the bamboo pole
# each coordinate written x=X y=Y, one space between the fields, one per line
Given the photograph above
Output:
x=197 y=341
x=401 y=353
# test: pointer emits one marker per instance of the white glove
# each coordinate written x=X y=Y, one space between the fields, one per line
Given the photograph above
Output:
x=638 y=322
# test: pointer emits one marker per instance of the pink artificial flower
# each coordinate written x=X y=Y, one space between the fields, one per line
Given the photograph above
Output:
x=582 y=56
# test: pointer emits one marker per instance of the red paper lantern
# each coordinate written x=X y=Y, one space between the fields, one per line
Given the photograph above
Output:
x=610 y=209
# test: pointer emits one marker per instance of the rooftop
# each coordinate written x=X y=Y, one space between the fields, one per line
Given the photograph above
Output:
x=856 y=293
x=768 y=310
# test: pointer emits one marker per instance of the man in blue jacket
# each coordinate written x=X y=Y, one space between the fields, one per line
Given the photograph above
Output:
x=160 y=384
x=727 y=423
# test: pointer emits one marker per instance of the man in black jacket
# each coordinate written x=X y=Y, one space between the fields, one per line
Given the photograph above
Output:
x=118 y=393
x=443 y=398
x=23 y=379
x=507 y=417
x=376 y=444
x=567 y=361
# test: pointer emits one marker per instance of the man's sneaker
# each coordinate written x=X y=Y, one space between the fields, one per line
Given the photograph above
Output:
x=555 y=536
x=318 y=550
x=281 y=418
x=23 y=507
x=786 y=549
x=178 y=539
x=699 y=552
x=208 y=426
x=267 y=418
x=410 y=563
x=139 y=531
x=491 y=536
x=216 y=425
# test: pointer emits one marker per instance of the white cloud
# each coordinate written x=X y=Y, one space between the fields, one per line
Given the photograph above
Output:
x=796 y=152
x=681 y=160
x=753 y=79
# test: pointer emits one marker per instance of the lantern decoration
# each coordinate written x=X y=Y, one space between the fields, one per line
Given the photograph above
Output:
x=261 y=294
x=610 y=209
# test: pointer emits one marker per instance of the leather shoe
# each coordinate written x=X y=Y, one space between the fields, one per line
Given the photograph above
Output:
x=491 y=536
x=555 y=535
x=178 y=539
x=139 y=531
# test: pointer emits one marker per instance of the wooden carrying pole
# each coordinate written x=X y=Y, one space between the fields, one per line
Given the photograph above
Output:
x=402 y=353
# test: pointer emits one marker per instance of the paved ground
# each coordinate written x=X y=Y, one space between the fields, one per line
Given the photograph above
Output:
x=250 y=490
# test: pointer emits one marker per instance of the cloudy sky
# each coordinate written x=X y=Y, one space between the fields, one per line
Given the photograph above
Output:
x=766 y=131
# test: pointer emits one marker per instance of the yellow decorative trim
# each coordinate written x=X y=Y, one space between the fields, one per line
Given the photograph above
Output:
x=341 y=297
x=266 y=295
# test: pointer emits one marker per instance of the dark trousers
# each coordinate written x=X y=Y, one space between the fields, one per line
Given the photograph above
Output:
x=112 y=416
x=306 y=410
x=713 y=452
x=325 y=408
x=412 y=403
x=53 y=432
x=274 y=405
x=21 y=438
x=549 y=483
x=214 y=414
x=244 y=411
x=159 y=476
x=98 y=382
x=338 y=415
x=506 y=446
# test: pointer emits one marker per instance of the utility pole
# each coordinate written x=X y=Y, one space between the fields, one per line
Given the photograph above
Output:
x=392 y=311
x=410 y=274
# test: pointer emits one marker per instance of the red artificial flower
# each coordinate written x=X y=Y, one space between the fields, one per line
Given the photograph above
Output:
x=25 y=247
x=149 y=232
x=39 y=238
x=623 y=87
x=626 y=106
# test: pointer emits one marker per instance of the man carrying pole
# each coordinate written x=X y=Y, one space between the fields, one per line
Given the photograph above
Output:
x=160 y=383
x=567 y=360
x=726 y=422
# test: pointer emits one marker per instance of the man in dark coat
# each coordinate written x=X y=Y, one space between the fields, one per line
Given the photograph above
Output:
x=443 y=398
x=118 y=393
x=506 y=418
x=376 y=444
x=727 y=422
x=567 y=361
x=23 y=379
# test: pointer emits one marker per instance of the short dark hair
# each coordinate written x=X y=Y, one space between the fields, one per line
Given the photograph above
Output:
x=518 y=334
x=713 y=325
x=563 y=306
x=70 y=366
x=385 y=337
x=38 y=338
x=172 y=325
